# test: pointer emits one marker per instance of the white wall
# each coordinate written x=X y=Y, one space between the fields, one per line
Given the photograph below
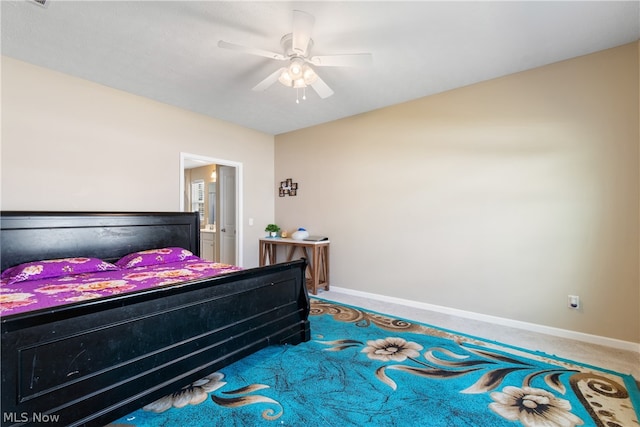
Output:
x=500 y=198
x=69 y=144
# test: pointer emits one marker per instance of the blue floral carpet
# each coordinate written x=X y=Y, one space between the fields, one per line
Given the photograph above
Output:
x=363 y=368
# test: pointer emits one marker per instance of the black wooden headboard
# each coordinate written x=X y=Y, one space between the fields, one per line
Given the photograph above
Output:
x=33 y=236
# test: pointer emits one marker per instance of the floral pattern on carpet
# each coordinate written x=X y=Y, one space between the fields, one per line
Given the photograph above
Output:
x=197 y=392
x=606 y=400
x=363 y=368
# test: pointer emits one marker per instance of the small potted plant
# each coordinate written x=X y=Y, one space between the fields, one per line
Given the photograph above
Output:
x=272 y=229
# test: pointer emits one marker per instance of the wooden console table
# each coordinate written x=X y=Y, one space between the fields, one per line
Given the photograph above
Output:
x=317 y=261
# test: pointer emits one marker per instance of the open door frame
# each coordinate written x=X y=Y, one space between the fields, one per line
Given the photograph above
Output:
x=239 y=194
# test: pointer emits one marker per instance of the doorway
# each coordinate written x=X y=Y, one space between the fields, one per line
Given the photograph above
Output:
x=228 y=203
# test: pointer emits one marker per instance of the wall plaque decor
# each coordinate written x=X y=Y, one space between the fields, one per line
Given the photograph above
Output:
x=288 y=188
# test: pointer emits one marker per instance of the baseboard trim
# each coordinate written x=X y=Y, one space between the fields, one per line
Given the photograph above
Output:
x=558 y=332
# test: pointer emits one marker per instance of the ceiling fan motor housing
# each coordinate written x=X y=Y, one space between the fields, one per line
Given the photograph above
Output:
x=287 y=47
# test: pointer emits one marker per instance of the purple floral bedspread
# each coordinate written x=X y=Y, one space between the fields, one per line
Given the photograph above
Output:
x=46 y=293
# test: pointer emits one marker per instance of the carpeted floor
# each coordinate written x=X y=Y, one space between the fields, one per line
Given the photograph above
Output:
x=363 y=368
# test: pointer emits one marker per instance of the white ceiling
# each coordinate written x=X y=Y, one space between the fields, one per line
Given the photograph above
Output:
x=167 y=50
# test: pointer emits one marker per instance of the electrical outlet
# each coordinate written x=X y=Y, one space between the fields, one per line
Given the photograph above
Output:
x=573 y=301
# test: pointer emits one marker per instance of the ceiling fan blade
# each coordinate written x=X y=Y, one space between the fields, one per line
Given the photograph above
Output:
x=251 y=50
x=302 y=28
x=263 y=85
x=322 y=88
x=346 y=60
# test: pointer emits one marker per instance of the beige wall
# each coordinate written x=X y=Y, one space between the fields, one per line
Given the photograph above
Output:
x=68 y=144
x=500 y=198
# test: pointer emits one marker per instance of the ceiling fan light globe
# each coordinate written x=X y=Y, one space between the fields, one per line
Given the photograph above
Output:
x=296 y=67
x=299 y=83
x=295 y=71
x=285 y=79
x=309 y=75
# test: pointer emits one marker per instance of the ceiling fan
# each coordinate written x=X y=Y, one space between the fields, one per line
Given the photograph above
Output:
x=296 y=47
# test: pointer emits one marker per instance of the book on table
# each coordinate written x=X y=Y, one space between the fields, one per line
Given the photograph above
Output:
x=316 y=238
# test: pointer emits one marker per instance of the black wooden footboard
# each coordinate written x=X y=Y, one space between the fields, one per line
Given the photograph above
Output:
x=92 y=362
x=88 y=367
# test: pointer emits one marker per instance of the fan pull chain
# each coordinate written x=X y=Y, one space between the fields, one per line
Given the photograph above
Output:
x=304 y=94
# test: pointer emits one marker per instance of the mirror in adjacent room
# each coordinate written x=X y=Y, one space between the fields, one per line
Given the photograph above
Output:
x=211 y=199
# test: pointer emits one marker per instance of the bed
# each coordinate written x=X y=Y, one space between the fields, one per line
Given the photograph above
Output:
x=91 y=361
